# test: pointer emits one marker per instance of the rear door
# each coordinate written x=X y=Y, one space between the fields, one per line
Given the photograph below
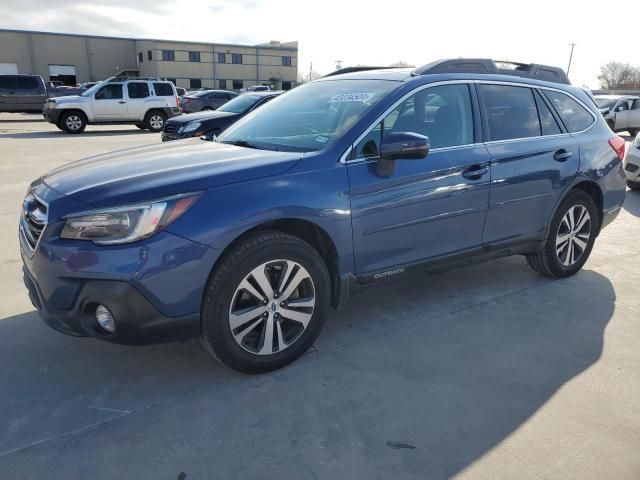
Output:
x=425 y=208
x=533 y=159
x=109 y=104
x=634 y=115
x=138 y=94
x=8 y=86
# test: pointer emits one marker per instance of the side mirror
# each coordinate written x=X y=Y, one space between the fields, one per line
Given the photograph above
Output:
x=400 y=146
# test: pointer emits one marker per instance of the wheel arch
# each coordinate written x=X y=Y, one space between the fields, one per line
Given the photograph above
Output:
x=313 y=234
x=592 y=189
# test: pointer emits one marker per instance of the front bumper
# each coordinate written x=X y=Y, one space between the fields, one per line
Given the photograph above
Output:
x=632 y=164
x=52 y=115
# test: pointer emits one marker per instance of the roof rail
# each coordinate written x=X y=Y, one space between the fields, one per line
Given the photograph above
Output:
x=124 y=79
x=495 y=67
x=361 y=68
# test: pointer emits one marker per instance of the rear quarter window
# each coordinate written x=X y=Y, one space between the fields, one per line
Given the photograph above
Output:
x=27 y=83
x=163 y=89
x=8 y=83
x=574 y=116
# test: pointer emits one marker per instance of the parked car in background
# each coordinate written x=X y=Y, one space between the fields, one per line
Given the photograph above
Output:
x=632 y=164
x=342 y=182
x=622 y=112
x=22 y=93
x=259 y=88
x=210 y=124
x=205 y=100
x=181 y=91
x=146 y=103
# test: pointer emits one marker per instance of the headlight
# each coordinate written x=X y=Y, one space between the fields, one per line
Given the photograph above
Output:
x=191 y=127
x=129 y=223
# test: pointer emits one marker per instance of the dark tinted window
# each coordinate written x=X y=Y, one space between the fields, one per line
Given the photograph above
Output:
x=138 y=90
x=286 y=85
x=441 y=113
x=575 y=117
x=8 y=82
x=222 y=84
x=27 y=83
x=219 y=96
x=194 y=56
x=548 y=122
x=511 y=112
x=237 y=84
x=286 y=61
x=222 y=58
x=195 y=83
x=168 y=55
x=163 y=89
x=236 y=58
x=140 y=57
x=150 y=54
x=109 y=92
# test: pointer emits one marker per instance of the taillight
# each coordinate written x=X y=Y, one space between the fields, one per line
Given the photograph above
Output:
x=186 y=100
x=617 y=143
x=177 y=101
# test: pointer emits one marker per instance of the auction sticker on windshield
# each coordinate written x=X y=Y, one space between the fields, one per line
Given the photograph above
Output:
x=352 y=97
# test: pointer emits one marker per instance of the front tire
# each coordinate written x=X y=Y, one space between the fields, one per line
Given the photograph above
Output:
x=633 y=132
x=266 y=302
x=154 y=121
x=633 y=185
x=571 y=237
x=73 y=122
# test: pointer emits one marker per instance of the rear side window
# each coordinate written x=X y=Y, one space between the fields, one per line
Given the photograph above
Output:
x=8 y=83
x=574 y=116
x=109 y=92
x=163 y=89
x=138 y=90
x=27 y=83
x=511 y=112
x=548 y=122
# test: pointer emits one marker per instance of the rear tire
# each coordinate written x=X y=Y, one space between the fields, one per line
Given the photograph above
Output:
x=633 y=185
x=154 y=121
x=571 y=237
x=73 y=122
x=633 y=132
x=265 y=303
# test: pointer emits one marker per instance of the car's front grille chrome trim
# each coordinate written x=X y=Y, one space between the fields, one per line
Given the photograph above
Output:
x=33 y=221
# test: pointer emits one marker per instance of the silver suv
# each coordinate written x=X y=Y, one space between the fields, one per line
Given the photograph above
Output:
x=145 y=102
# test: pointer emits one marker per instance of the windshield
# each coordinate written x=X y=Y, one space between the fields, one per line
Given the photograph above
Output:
x=604 y=102
x=91 y=91
x=240 y=104
x=309 y=117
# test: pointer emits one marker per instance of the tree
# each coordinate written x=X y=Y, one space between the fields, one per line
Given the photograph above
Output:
x=401 y=63
x=616 y=74
x=308 y=77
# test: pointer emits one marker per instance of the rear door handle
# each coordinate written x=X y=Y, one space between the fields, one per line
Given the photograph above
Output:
x=562 y=155
x=475 y=171
x=121 y=101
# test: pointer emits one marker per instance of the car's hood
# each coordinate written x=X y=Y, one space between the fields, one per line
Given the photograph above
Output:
x=148 y=172
x=201 y=116
x=68 y=98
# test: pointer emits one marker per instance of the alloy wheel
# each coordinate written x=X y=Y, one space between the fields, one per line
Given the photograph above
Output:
x=272 y=306
x=574 y=233
x=73 y=122
x=156 y=122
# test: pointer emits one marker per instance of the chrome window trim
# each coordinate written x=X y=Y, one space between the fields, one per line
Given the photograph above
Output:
x=343 y=157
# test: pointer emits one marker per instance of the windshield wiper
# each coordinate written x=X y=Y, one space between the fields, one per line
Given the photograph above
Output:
x=242 y=143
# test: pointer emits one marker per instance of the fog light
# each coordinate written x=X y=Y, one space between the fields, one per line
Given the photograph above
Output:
x=105 y=319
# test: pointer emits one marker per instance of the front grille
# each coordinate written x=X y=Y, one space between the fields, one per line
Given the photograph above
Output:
x=631 y=167
x=170 y=128
x=33 y=220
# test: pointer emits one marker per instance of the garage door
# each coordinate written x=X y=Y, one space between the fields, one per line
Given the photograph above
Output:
x=64 y=73
x=8 y=68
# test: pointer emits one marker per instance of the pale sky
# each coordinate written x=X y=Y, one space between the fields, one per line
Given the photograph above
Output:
x=358 y=32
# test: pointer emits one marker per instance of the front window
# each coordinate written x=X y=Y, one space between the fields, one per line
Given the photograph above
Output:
x=109 y=92
x=310 y=117
x=604 y=102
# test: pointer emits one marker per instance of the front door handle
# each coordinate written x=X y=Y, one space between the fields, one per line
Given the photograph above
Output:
x=122 y=101
x=475 y=171
x=562 y=155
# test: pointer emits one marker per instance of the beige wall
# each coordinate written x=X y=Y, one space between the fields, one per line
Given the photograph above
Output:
x=97 y=58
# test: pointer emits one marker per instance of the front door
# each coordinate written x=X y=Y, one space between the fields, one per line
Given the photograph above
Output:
x=425 y=208
x=533 y=161
x=109 y=103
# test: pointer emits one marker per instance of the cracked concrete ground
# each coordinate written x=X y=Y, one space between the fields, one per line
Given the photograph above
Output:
x=488 y=372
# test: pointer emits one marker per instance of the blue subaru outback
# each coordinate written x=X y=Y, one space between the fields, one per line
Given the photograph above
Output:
x=362 y=175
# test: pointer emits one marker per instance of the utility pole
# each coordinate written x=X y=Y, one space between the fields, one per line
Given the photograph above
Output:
x=310 y=70
x=570 y=57
x=338 y=64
